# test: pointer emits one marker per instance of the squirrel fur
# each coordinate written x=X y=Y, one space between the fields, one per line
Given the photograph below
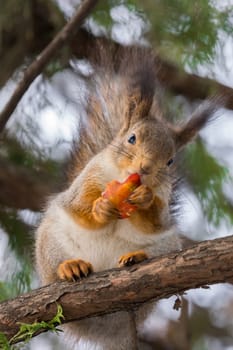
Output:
x=124 y=132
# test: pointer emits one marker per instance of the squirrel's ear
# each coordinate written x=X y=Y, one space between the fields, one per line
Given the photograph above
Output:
x=201 y=116
x=138 y=106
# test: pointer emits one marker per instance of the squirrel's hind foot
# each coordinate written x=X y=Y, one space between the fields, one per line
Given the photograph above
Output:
x=132 y=258
x=74 y=269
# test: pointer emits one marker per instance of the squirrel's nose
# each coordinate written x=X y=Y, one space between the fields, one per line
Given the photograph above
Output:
x=144 y=170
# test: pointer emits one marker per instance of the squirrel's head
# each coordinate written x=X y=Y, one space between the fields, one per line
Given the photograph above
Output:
x=148 y=145
x=146 y=148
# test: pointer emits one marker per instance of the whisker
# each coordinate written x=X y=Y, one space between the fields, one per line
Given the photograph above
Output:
x=168 y=178
x=118 y=150
x=174 y=182
x=163 y=178
x=159 y=178
x=167 y=174
x=177 y=181
x=160 y=188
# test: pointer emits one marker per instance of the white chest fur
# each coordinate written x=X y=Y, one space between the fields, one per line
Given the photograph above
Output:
x=103 y=247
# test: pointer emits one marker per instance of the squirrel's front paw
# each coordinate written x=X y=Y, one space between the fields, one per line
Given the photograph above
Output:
x=132 y=258
x=74 y=269
x=142 y=197
x=104 y=211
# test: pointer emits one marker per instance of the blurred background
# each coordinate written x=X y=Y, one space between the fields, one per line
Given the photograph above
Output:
x=194 y=43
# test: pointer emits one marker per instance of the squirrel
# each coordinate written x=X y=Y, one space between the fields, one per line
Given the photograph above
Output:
x=123 y=133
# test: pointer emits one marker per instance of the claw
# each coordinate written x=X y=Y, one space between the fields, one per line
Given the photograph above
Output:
x=132 y=258
x=72 y=270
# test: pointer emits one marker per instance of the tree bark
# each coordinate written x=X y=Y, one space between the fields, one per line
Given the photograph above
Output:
x=204 y=263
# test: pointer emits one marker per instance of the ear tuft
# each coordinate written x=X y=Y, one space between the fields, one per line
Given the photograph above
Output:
x=205 y=113
x=140 y=82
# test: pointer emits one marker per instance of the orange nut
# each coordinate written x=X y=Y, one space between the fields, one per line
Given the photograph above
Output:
x=119 y=192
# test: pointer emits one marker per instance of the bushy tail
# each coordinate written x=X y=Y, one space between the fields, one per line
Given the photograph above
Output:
x=124 y=80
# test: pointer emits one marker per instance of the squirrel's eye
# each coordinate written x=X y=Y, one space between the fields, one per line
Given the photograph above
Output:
x=132 y=139
x=170 y=162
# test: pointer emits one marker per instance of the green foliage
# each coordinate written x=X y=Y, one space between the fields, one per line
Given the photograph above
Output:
x=19 y=283
x=19 y=232
x=102 y=14
x=208 y=177
x=200 y=345
x=4 y=344
x=27 y=331
x=20 y=242
x=30 y=156
x=186 y=32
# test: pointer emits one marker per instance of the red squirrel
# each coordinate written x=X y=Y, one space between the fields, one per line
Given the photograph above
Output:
x=124 y=133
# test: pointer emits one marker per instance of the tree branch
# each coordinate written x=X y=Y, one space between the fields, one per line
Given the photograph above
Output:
x=41 y=61
x=119 y=289
x=191 y=85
